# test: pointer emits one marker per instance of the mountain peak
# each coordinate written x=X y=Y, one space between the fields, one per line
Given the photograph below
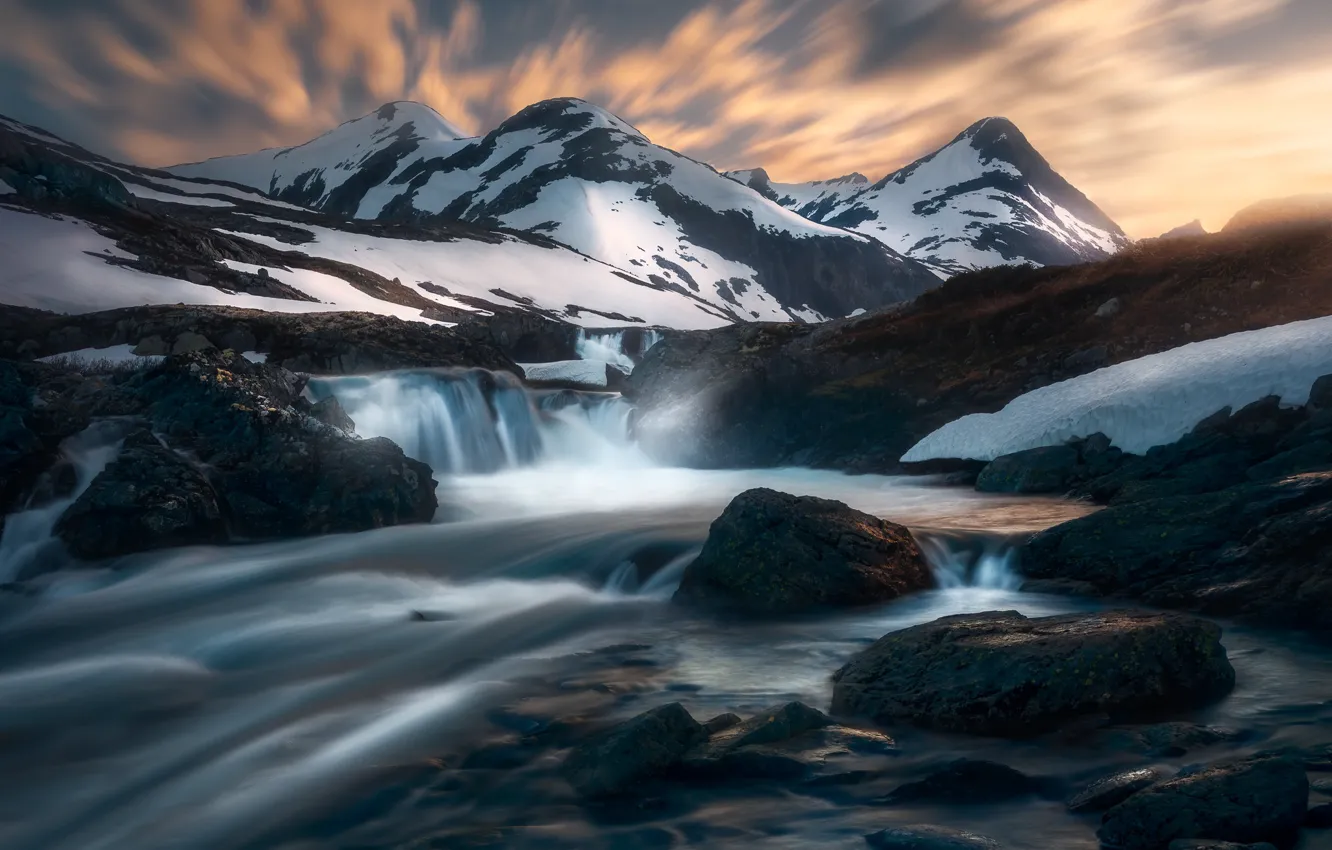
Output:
x=426 y=122
x=567 y=115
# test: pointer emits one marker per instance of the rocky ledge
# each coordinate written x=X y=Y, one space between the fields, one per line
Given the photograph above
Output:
x=216 y=449
x=1233 y=520
x=773 y=553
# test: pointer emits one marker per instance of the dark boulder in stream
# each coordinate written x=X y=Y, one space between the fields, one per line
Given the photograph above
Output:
x=1000 y=673
x=774 y=553
x=1261 y=799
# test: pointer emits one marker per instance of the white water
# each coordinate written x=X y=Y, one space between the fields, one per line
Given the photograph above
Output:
x=247 y=697
x=27 y=540
x=609 y=347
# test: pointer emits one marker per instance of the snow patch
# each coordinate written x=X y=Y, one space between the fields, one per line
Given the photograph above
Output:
x=589 y=373
x=1150 y=401
x=6 y=189
x=189 y=200
x=114 y=354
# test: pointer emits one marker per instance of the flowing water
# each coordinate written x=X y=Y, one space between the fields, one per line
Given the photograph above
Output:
x=289 y=695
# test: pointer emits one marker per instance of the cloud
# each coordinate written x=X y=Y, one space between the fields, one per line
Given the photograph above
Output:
x=1160 y=110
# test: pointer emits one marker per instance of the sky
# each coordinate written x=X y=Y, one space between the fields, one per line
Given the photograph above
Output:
x=1161 y=111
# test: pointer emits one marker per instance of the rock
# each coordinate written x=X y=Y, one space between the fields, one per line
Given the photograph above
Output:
x=966 y=781
x=1321 y=786
x=1109 y=309
x=152 y=346
x=1088 y=359
x=190 y=341
x=147 y=498
x=776 y=724
x=1042 y=470
x=1261 y=799
x=641 y=748
x=1060 y=587
x=331 y=412
x=923 y=837
x=1169 y=740
x=1112 y=790
x=1320 y=395
x=1207 y=844
x=1319 y=817
x=1258 y=551
x=773 y=553
x=1299 y=459
x=1000 y=673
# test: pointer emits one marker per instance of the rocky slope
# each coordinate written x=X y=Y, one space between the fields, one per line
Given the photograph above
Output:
x=857 y=393
x=987 y=198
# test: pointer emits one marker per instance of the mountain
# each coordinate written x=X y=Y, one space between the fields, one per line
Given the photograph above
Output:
x=81 y=233
x=804 y=198
x=1193 y=228
x=1278 y=213
x=576 y=173
x=987 y=198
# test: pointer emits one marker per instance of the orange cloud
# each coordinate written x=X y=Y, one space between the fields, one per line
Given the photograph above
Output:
x=1113 y=92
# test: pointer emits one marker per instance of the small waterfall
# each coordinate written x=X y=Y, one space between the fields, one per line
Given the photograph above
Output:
x=971 y=560
x=474 y=422
x=28 y=541
x=616 y=348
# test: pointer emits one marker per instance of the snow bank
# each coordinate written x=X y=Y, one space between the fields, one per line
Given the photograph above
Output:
x=1150 y=401
x=189 y=200
x=589 y=373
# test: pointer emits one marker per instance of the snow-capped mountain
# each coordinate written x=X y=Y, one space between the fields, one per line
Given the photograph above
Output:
x=810 y=199
x=578 y=174
x=987 y=198
x=333 y=172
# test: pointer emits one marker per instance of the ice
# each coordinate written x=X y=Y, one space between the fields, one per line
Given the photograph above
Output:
x=1150 y=401
x=588 y=373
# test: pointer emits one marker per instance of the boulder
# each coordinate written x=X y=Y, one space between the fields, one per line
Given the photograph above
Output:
x=1207 y=844
x=1319 y=817
x=925 y=837
x=641 y=748
x=331 y=412
x=1049 y=469
x=773 y=553
x=152 y=346
x=1165 y=740
x=1261 y=799
x=1112 y=790
x=740 y=748
x=190 y=341
x=966 y=781
x=1000 y=673
x=149 y=497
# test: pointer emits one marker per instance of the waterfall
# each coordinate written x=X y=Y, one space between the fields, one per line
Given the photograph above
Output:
x=28 y=542
x=467 y=422
x=615 y=348
x=971 y=559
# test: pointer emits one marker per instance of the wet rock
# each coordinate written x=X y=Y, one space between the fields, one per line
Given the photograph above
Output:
x=924 y=837
x=1042 y=470
x=1321 y=786
x=1262 y=799
x=1320 y=395
x=147 y=498
x=776 y=724
x=810 y=755
x=773 y=553
x=641 y=748
x=1060 y=587
x=1000 y=673
x=1169 y=740
x=1306 y=456
x=331 y=412
x=966 y=781
x=1112 y=790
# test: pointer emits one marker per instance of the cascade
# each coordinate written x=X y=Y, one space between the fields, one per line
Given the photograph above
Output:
x=971 y=559
x=615 y=348
x=28 y=539
x=467 y=422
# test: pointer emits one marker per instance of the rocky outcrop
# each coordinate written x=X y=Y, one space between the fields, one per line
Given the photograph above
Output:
x=227 y=450
x=321 y=343
x=149 y=497
x=641 y=748
x=1001 y=673
x=773 y=553
x=966 y=781
x=1261 y=799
